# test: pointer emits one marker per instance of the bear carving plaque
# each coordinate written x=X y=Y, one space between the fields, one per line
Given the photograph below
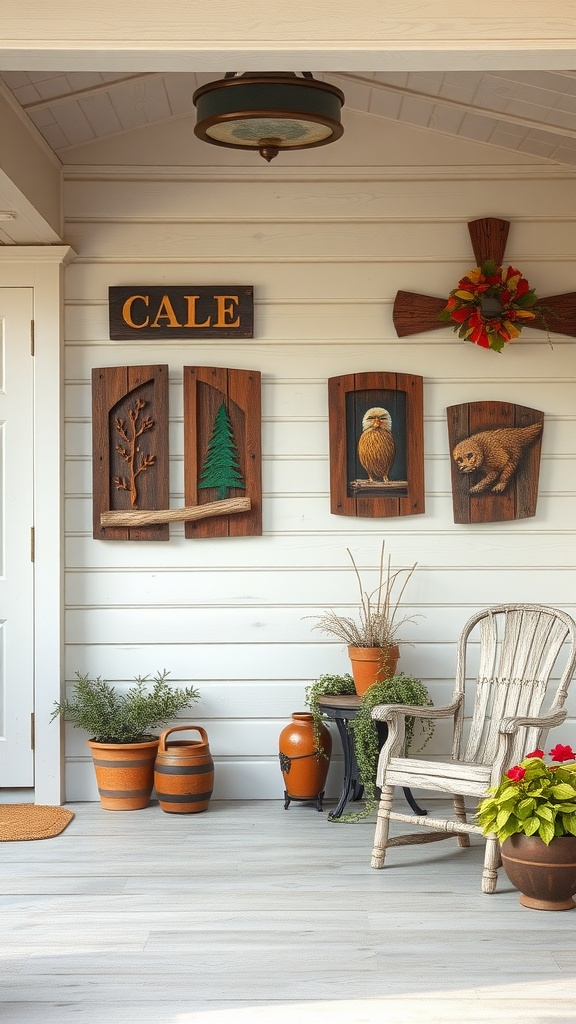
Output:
x=495 y=461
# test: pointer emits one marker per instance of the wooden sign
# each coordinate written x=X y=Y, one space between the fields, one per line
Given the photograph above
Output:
x=376 y=445
x=130 y=447
x=495 y=461
x=222 y=448
x=175 y=312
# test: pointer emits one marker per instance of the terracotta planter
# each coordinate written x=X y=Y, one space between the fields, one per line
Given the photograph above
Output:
x=372 y=665
x=184 y=772
x=545 y=875
x=124 y=773
x=304 y=771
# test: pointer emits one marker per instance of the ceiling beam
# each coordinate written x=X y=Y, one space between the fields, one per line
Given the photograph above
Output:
x=400 y=35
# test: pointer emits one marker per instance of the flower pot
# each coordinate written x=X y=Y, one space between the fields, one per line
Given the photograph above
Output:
x=184 y=772
x=545 y=875
x=124 y=773
x=303 y=769
x=372 y=665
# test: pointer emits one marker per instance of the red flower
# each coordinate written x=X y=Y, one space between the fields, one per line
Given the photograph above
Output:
x=516 y=773
x=512 y=272
x=523 y=287
x=535 y=753
x=561 y=753
x=460 y=315
x=479 y=337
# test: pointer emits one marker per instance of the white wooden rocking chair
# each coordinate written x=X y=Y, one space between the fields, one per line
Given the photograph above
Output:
x=519 y=647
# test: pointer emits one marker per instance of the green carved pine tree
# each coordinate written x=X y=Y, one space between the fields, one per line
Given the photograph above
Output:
x=221 y=468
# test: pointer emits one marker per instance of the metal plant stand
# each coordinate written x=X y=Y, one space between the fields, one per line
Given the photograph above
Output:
x=342 y=709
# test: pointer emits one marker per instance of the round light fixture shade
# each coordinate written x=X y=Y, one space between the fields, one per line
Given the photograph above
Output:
x=268 y=111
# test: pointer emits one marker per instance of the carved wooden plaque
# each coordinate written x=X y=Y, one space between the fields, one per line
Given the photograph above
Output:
x=130 y=469
x=495 y=460
x=376 y=445
x=222 y=447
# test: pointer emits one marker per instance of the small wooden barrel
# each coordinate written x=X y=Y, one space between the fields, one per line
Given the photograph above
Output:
x=184 y=773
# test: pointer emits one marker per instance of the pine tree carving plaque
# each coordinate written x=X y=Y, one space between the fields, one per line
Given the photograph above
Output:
x=376 y=445
x=222 y=447
x=495 y=460
x=130 y=467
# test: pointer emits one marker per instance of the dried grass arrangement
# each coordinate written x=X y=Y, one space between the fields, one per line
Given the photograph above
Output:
x=377 y=623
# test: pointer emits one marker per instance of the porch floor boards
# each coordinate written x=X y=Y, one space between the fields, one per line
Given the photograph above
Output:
x=250 y=914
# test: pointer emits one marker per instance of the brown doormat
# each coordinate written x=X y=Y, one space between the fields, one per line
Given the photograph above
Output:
x=31 y=821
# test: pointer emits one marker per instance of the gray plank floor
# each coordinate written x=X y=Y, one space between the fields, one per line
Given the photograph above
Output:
x=249 y=914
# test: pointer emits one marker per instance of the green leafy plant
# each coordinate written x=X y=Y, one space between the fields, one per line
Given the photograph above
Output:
x=533 y=798
x=377 y=623
x=111 y=716
x=326 y=685
x=400 y=689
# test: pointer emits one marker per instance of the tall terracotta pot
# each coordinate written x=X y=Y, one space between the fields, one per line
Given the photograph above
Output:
x=545 y=875
x=124 y=773
x=184 y=772
x=304 y=769
x=372 y=665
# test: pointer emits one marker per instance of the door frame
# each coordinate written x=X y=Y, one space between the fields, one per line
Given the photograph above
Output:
x=41 y=268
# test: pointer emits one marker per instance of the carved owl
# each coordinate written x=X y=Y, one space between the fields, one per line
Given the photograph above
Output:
x=376 y=447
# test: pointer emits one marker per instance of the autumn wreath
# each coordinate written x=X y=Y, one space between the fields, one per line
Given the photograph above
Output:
x=490 y=305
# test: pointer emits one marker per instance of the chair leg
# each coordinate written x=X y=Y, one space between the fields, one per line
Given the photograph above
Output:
x=492 y=861
x=460 y=815
x=382 y=827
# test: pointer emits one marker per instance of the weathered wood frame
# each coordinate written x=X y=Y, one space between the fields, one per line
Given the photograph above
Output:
x=205 y=388
x=113 y=388
x=519 y=499
x=369 y=506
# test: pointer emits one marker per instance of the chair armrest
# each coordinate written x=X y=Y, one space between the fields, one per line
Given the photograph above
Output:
x=387 y=712
x=554 y=717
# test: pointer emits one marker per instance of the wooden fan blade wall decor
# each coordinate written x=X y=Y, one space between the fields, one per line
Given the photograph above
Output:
x=414 y=313
x=495 y=460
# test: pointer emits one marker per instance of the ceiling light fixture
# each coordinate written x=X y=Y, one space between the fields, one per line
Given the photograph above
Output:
x=268 y=111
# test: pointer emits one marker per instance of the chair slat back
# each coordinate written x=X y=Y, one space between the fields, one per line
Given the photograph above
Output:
x=519 y=647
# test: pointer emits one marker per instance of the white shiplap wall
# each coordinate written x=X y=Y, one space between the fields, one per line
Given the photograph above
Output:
x=326 y=250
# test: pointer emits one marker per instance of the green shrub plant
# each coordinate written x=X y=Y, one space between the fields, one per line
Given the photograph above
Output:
x=111 y=716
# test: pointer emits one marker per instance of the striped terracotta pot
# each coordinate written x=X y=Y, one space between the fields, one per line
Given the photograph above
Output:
x=124 y=773
x=184 y=772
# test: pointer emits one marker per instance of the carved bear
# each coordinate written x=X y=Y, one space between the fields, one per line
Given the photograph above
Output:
x=496 y=453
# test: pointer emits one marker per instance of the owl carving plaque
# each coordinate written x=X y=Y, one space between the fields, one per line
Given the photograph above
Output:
x=376 y=445
x=495 y=460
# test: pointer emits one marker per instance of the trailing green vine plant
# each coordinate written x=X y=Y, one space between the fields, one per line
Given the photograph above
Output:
x=325 y=685
x=400 y=689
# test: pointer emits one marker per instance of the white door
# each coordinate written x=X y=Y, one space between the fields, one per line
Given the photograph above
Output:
x=16 y=521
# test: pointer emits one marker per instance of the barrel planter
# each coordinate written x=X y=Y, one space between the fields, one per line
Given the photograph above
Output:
x=303 y=766
x=545 y=875
x=184 y=772
x=124 y=773
x=372 y=665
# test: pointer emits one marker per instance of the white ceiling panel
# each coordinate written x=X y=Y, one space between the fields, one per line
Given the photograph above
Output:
x=530 y=112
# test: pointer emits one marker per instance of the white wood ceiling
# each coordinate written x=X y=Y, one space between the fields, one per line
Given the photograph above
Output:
x=532 y=112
